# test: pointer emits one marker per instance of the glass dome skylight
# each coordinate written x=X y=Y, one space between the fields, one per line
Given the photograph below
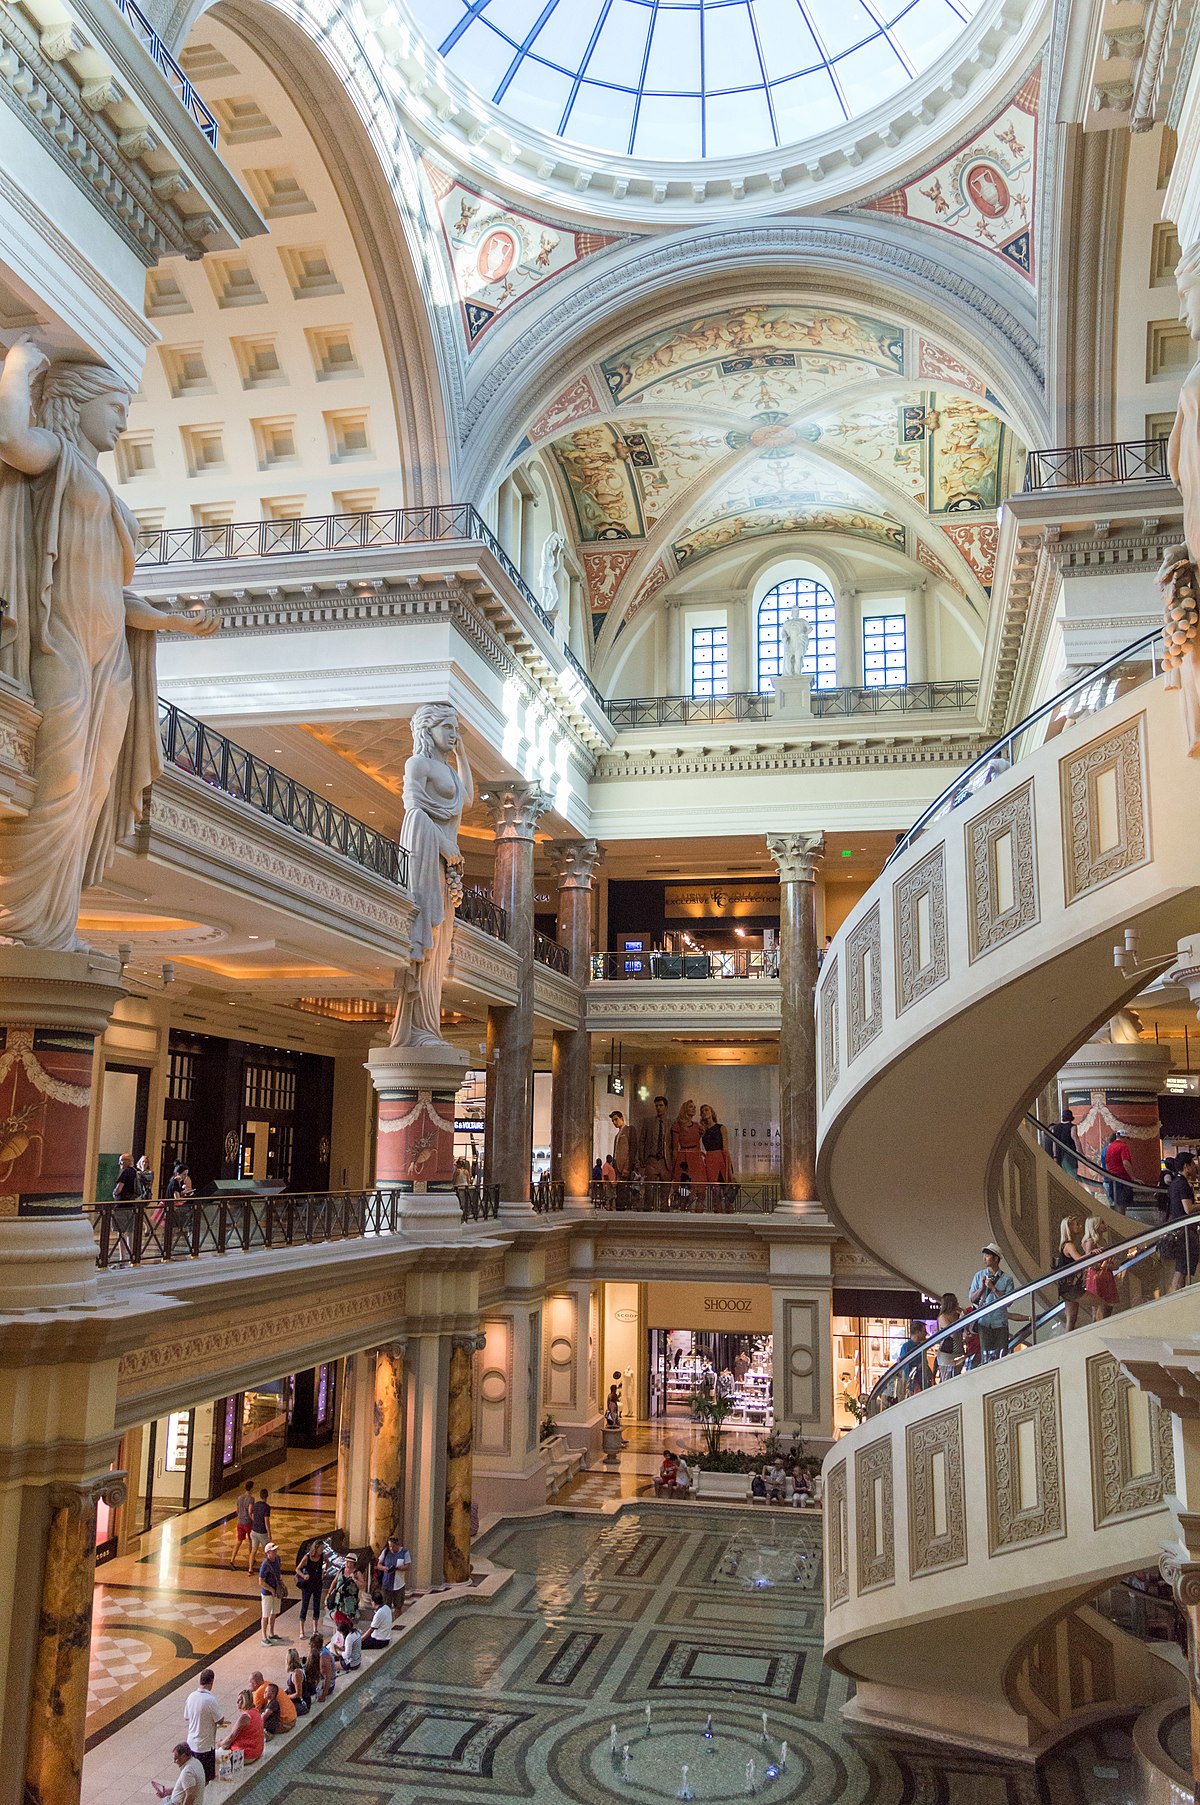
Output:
x=671 y=80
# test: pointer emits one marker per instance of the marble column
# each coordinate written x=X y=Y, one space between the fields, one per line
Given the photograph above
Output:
x=53 y=1006
x=515 y=810
x=571 y=1116
x=1115 y=1084
x=427 y=1366
x=355 y=1436
x=58 y=1713
x=387 y=1446
x=460 y=1441
x=797 y=857
x=414 y=1144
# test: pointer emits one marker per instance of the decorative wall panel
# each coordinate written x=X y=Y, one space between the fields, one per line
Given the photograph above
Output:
x=799 y=1362
x=1024 y=1464
x=937 y=1510
x=874 y=1515
x=1018 y=1205
x=922 y=951
x=1002 y=872
x=1106 y=828
x=830 y=1060
x=864 y=987
x=493 y=1405
x=560 y=1338
x=1131 y=1473
x=837 y=1551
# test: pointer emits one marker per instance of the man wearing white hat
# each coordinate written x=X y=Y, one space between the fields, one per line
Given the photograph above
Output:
x=989 y=1284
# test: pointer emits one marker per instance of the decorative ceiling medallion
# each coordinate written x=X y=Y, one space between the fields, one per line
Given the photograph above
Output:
x=498 y=255
x=985 y=190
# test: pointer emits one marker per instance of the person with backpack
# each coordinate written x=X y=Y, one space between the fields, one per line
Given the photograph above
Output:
x=342 y=1598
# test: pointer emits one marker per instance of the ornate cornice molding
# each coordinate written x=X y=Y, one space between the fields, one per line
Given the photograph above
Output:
x=812 y=755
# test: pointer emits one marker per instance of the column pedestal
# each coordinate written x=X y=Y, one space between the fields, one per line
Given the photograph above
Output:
x=52 y=1008
x=54 y=1753
x=414 y=1147
x=793 y=697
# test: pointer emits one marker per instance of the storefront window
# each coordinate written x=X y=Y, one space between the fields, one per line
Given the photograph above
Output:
x=264 y=1420
x=863 y=1349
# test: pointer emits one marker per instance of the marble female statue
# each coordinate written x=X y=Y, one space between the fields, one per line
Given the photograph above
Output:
x=796 y=632
x=76 y=639
x=436 y=791
x=552 y=563
x=1178 y=581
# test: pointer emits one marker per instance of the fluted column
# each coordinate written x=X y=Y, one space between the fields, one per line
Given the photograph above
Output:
x=571 y=1115
x=515 y=810
x=460 y=1443
x=63 y=1625
x=797 y=857
x=387 y=1446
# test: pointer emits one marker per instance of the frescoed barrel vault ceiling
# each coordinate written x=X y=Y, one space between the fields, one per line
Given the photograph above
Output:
x=772 y=419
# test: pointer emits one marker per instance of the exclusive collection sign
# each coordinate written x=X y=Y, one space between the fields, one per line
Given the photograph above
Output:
x=720 y=902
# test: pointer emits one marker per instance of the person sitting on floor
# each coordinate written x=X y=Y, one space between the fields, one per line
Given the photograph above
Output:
x=347 y=1645
x=379 y=1635
x=276 y=1708
x=246 y=1731
x=298 y=1689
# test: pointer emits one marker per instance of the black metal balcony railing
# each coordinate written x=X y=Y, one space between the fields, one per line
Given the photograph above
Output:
x=756 y=705
x=548 y=1195
x=479 y=1203
x=691 y=1198
x=742 y=963
x=549 y=953
x=482 y=913
x=1091 y=466
x=149 y=38
x=374 y=530
x=684 y=711
x=154 y=1232
x=192 y=746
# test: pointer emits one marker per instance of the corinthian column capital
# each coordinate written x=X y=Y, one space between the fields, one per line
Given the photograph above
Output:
x=515 y=808
x=796 y=856
x=575 y=862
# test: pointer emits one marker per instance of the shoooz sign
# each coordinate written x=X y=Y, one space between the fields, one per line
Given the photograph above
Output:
x=733 y=1308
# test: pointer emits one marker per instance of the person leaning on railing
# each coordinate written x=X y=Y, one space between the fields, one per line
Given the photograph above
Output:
x=1181 y=1205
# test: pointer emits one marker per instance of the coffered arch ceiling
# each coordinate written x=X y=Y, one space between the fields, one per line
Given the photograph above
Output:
x=775 y=419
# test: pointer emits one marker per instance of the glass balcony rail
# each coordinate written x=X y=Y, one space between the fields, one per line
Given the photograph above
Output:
x=756 y=705
x=482 y=913
x=1032 y=1310
x=549 y=953
x=756 y=1198
x=376 y=529
x=192 y=746
x=548 y=1195
x=1134 y=665
x=150 y=40
x=742 y=963
x=1094 y=466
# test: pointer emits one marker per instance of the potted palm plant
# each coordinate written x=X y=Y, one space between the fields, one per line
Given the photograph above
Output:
x=721 y=1472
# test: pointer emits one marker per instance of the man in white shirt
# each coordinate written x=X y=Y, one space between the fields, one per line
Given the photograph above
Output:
x=349 y=1655
x=189 y=1787
x=202 y=1715
x=380 y=1633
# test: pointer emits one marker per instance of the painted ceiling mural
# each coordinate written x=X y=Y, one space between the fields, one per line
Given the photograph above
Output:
x=775 y=419
x=497 y=254
x=984 y=192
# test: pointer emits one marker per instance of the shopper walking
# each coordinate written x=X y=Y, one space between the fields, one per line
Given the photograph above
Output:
x=948 y=1355
x=1184 y=1246
x=1100 y=1283
x=245 y=1503
x=189 y=1786
x=394 y=1564
x=260 y=1529
x=202 y=1715
x=1070 y=1249
x=988 y=1285
x=1064 y=1145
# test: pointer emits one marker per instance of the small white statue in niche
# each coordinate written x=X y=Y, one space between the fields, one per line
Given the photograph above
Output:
x=796 y=634
x=550 y=594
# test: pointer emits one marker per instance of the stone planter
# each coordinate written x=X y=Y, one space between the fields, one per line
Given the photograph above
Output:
x=733 y=1487
x=614 y=1441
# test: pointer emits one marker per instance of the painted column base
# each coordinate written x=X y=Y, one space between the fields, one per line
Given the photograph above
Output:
x=47 y=1263
x=414 y=1147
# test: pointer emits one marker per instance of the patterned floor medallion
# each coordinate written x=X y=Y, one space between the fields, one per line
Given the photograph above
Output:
x=592 y=1674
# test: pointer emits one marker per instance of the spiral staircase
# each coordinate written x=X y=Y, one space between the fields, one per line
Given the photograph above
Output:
x=968 y=1526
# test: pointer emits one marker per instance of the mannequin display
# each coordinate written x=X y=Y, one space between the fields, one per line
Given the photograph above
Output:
x=687 y=1154
x=718 y=1167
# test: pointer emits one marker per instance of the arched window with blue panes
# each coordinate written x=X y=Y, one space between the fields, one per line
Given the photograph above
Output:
x=806 y=596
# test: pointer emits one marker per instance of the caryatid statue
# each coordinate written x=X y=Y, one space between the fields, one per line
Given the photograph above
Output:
x=76 y=639
x=436 y=791
x=552 y=563
x=1178 y=580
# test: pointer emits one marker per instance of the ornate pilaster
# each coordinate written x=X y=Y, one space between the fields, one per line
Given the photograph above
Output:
x=387 y=1446
x=460 y=1441
x=54 y=1753
x=571 y=1120
x=515 y=808
x=798 y=858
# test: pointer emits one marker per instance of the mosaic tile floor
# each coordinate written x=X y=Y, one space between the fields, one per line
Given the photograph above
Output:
x=540 y=1692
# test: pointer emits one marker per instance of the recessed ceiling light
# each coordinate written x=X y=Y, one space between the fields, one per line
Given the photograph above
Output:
x=252 y=936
